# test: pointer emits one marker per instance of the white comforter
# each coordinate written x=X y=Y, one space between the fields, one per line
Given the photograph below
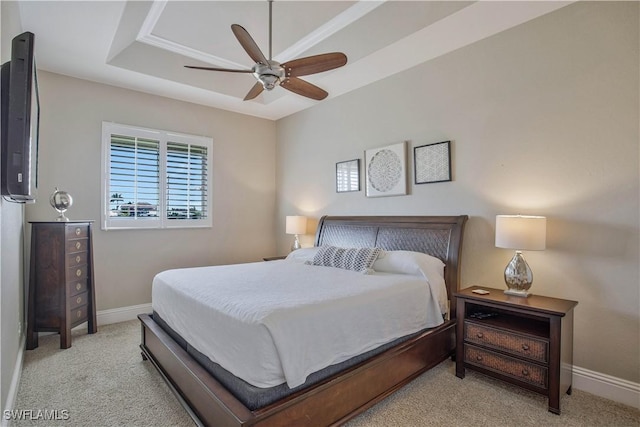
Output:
x=275 y=322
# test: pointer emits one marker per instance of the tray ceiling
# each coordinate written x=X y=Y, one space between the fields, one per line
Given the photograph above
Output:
x=144 y=45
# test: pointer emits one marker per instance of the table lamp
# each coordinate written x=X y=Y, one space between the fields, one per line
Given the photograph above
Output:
x=296 y=224
x=520 y=232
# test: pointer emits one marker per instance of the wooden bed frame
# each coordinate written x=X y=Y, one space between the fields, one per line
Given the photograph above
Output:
x=344 y=395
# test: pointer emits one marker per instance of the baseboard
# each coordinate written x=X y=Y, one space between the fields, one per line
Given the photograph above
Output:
x=15 y=380
x=122 y=314
x=616 y=389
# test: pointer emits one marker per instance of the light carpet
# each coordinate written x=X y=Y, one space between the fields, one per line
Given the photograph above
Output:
x=103 y=381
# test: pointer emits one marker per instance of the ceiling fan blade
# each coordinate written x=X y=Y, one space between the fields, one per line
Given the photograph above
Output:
x=255 y=91
x=314 y=64
x=303 y=88
x=228 y=70
x=249 y=44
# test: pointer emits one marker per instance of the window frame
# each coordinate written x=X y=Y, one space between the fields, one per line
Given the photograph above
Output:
x=163 y=137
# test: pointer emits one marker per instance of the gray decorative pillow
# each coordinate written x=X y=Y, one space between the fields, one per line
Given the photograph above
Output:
x=355 y=259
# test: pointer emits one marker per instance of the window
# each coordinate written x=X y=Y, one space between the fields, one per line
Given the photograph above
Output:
x=154 y=179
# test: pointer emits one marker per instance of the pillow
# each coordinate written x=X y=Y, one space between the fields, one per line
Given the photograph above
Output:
x=354 y=259
x=408 y=262
x=303 y=255
x=416 y=264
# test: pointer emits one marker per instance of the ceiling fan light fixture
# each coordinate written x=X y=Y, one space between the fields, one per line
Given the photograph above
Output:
x=269 y=81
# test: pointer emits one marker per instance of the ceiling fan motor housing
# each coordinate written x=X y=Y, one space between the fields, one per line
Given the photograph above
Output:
x=268 y=75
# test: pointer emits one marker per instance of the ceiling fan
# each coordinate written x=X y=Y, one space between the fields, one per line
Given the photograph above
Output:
x=270 y=73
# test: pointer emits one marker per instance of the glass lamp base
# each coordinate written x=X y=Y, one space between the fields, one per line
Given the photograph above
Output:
x=518 y=276
x=517 y=293
x=296 y=244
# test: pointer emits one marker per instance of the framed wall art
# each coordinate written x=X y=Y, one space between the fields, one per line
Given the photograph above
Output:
x=386 y=170
x=432 y=162
x=348 y=176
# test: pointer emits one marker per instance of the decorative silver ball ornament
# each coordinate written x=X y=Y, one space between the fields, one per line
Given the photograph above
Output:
x=61 y=201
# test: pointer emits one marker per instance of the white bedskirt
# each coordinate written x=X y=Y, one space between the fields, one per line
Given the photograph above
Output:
x=279 y=321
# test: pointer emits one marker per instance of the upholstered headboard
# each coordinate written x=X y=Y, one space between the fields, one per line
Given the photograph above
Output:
x=439 y=236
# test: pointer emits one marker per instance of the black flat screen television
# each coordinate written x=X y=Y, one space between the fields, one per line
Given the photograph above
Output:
x=20 y=122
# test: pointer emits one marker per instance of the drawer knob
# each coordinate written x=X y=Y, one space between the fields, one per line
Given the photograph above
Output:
x=78 y=245
x=479 y=358
x=480 y=335
x=525 y=347
x=78 y=258
x=78 y=286
x=79 y=314
x=78 y=231
x=78 y=300
x=78 y=272
x=525 y=372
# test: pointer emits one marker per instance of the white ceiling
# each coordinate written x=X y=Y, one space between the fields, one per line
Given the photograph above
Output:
x=143 y=45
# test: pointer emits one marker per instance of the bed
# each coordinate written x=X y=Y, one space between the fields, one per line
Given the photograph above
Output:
x=338 y=396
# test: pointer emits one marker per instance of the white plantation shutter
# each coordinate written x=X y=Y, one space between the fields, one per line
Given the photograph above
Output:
x=134 y=177
x=154 y=179
x=187 y=182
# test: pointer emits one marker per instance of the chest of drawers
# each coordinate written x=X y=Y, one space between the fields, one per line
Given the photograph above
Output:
x=525 y=341
x=61 y=281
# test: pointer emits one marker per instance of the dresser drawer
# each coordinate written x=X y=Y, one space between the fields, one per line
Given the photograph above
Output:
x=77 y=273
x=77 y=245
x=519 y=345
x=76 y=301
x=75 y=287
x=74 y=260
x=517 y=369
x=78 y=315
x=77 y=231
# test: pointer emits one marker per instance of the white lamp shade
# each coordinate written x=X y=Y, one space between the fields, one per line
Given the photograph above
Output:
x=521 y=232
x=296 y=224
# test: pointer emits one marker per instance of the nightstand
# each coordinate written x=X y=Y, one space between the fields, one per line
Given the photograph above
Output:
x=524 y=341
x=273 y=258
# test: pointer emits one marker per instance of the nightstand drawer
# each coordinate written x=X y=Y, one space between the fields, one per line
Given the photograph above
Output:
x=76 y=259
x=517 y=369
x=77 y=300
x=77 y=286
x=78 y=315
x=77 y=231
x=519 y=345
x=77 y=245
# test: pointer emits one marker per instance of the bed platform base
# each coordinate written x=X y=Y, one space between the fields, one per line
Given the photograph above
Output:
x=331 y=402
x=348 y=393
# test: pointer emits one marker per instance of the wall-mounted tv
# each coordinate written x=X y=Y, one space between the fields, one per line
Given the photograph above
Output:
x=20 y=122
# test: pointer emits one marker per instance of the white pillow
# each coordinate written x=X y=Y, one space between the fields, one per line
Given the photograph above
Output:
x=416 y=264
x=408 y=262
x=303 y=255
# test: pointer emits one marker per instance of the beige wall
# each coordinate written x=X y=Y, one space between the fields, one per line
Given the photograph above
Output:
x=544 y=120
x=243 y=164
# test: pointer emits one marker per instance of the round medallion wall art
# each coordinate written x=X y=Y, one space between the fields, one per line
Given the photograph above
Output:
x=386 y=170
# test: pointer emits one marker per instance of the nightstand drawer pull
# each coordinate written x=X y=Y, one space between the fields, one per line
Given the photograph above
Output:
x=78 y=286
x=480 y=335
x=78 y=231
x=79 y=314
x=78 y=245
x=525 y=372
x=525 y=347
x=78 y=272
x=78 y=258
x=78 y=300
x=479 y=358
